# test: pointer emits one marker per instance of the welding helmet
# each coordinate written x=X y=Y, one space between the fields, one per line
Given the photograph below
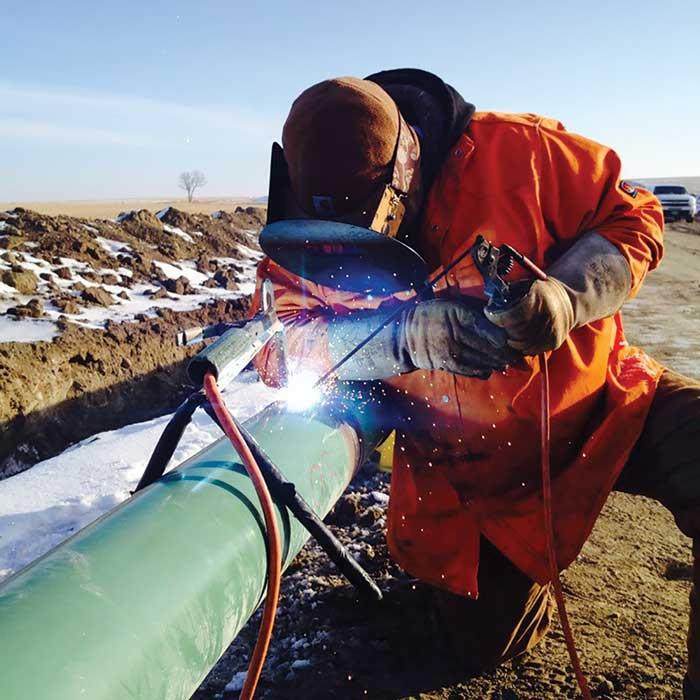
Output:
x=347 y=155
x=339 y=190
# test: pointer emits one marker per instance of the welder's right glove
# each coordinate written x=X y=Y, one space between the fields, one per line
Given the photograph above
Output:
x=437 y=334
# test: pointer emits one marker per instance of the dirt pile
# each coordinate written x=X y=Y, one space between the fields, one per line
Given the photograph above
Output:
x=145 y=237
x=109 y=296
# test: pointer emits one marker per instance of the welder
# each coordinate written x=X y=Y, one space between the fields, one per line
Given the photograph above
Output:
x=402 y=153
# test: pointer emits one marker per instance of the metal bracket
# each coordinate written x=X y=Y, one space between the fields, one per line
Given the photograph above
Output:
x=238 y=343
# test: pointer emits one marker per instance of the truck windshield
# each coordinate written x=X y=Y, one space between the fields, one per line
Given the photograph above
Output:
x=669 y=189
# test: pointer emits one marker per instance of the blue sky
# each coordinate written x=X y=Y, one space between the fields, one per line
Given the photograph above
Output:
x=116 y=99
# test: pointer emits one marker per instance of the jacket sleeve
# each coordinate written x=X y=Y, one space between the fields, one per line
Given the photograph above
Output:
x=582 y=190
x=305 y=309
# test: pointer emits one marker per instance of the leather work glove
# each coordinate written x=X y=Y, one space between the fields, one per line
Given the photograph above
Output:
x=437 y=334
x=590 y=281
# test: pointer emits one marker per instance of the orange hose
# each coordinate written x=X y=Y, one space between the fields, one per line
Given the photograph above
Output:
x=274 y=546
x=545 y=432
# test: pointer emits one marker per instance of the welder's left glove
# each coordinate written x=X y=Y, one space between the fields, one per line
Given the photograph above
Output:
x=590 y=281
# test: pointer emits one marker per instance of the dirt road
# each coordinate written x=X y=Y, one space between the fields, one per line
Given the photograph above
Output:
x=627 y=593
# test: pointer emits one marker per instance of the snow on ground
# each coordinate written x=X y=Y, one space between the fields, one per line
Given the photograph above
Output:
x=250 y=252
x=26 y=330
x=6 y=290
x=178 y=232
x=111 y=246
x=48 y=503
x=185 y=268
x=138 y=301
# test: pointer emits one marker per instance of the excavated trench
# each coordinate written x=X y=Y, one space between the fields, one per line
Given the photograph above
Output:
x=108 y=296
x=90 y=380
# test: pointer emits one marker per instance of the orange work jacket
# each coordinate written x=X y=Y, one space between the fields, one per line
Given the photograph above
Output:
x=470 y=463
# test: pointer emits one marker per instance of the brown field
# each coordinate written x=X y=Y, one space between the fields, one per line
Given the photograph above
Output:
x=109 y=208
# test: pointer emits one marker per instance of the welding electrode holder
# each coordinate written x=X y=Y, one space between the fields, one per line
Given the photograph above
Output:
x=240 y=342
x=494 y=263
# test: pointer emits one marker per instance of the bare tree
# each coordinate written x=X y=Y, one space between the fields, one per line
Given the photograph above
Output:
x=190 y=180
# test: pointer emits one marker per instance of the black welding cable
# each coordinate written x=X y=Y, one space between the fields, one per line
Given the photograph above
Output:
x=169 y=440
x=285 y=492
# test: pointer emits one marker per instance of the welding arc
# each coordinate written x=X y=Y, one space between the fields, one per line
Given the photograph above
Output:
x=274 y=546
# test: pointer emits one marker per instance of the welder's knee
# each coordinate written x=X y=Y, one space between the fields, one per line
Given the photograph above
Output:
x=665 y=462
x=511 y=615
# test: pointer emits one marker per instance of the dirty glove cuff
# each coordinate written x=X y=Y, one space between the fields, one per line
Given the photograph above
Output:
x=540 y=321
x=590 y=281
x=597 y=278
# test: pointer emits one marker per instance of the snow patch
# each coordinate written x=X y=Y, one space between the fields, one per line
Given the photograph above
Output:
x=32 y=263
x=113 y=247
x=227 y=261
x=73 y=264
x=186 y=268
x=249 y=252
x=160 y=214
x=26 y=330
x=43 y=506
x=139 y=299
x=139 y=295
x=5 y=289
x=178 y=232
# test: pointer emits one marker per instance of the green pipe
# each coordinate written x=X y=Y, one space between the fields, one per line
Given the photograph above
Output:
x=143 y=602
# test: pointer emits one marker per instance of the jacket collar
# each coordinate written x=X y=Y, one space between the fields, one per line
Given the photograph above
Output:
x=438 y=112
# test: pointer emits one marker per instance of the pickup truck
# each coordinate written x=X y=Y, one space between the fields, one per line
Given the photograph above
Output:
x=676 y=201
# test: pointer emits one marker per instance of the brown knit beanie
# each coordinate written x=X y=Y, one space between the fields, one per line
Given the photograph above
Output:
x=339 y=141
